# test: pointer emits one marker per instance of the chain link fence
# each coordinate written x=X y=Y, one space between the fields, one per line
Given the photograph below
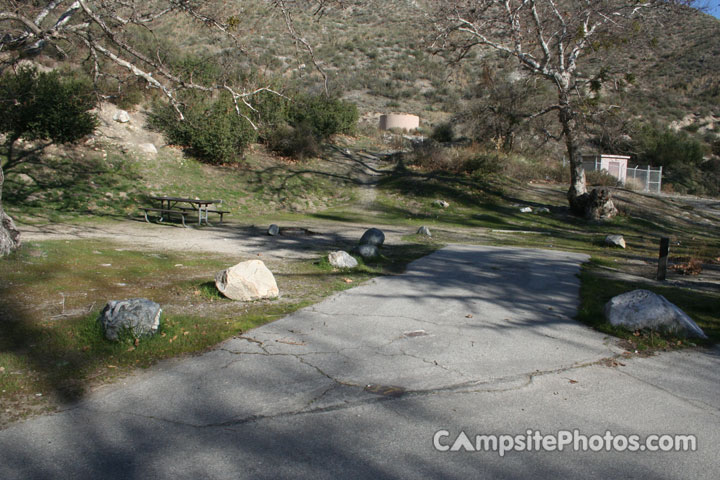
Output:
x=645 y=179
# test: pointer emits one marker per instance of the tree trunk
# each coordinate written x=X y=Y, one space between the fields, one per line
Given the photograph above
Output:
x=9 y=235
x=598 y=204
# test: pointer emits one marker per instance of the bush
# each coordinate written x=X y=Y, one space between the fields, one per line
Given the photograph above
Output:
x=324 y=116
x=44 y=106
x=296 y=142
x=600 y=178
x=212 y=130
x=443 y=133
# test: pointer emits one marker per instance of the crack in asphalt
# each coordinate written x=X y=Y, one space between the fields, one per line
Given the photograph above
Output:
x=498 y=385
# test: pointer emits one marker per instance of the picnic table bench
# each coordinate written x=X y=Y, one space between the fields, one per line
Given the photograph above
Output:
x=170 y=206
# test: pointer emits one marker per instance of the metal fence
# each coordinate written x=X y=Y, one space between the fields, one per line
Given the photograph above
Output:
x=642 y=179
x=646 y=179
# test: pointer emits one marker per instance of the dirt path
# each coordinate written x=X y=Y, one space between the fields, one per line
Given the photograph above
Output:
x=229 y=238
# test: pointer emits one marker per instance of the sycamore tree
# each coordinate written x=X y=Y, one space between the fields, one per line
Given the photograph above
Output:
x=549 y=39
x=111 y=36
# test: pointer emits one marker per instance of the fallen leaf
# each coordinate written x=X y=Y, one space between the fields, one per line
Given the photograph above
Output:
x=573 y=381
x=111 y=366
x=468 y=316
x=175 y=337
x=137 y=342
x=131 y=349
x=86 y=348
x=347 y=280
x=163 y=334
x=186 y=333
x=2 y=369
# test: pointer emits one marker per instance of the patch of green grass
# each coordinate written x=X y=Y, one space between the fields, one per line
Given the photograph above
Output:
x=596 y=291
x=52 y=349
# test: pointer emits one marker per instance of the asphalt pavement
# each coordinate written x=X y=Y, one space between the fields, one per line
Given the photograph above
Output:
x=408 y=376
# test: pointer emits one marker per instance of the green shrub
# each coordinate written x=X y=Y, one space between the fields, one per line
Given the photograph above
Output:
x=600 y=178
x=212 y=130
x=296 y=142
x=443 y=133
x=323 y=115
x=44 y=106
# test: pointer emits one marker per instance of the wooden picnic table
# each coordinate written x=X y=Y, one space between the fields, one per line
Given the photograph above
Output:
x=174 y=205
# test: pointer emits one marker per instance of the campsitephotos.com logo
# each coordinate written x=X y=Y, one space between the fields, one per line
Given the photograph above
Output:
x=536 y=441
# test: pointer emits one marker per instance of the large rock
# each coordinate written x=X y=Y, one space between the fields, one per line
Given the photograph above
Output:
x=341 y=259
x=644 y=309
x=273 y=230
x=615 y=241
x=373 y=236
x=367 y=251
x=136 y=317
x=247 y=281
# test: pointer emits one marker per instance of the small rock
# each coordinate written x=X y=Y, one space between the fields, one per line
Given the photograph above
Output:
x=247 y=281
x=644 y=309
x=440 y=204
x=148 y=148
x=543 y=210
x=273 y=230
x=373 y=236
x=136 y=316
x=367 y=251
x=121 y=116
x=424 y=231
x=526 y=210
x=341 y=259
x=615 y=241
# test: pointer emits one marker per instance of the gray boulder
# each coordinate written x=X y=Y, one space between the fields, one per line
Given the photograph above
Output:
x=424 y=231
x=615 y=241
x=373 y=236
x=644 y=309
x=273 y=230
x=137 y=317
x=368 y=251
x=440 y=204
x=341 y=259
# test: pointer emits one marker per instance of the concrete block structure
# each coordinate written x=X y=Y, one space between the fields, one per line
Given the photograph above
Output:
x=399 y=121
x=615 y=165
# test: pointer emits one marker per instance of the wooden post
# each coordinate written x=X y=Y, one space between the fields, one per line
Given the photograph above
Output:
x=663 y=259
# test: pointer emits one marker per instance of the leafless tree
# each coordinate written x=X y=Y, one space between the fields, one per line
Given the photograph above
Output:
x=549 y=39
x=104 y=33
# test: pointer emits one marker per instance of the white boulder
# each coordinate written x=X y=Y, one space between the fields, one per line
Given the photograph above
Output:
x=615 y=241
x=247 y=281
x=121 y=116
x=341 y=259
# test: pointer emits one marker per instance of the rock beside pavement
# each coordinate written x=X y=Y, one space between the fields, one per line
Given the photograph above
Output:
x=138 y=317
x=342 y=259
x=640 y=309
x=247 y=281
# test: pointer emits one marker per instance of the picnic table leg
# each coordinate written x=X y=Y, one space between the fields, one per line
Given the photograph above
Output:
x=146 y=217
